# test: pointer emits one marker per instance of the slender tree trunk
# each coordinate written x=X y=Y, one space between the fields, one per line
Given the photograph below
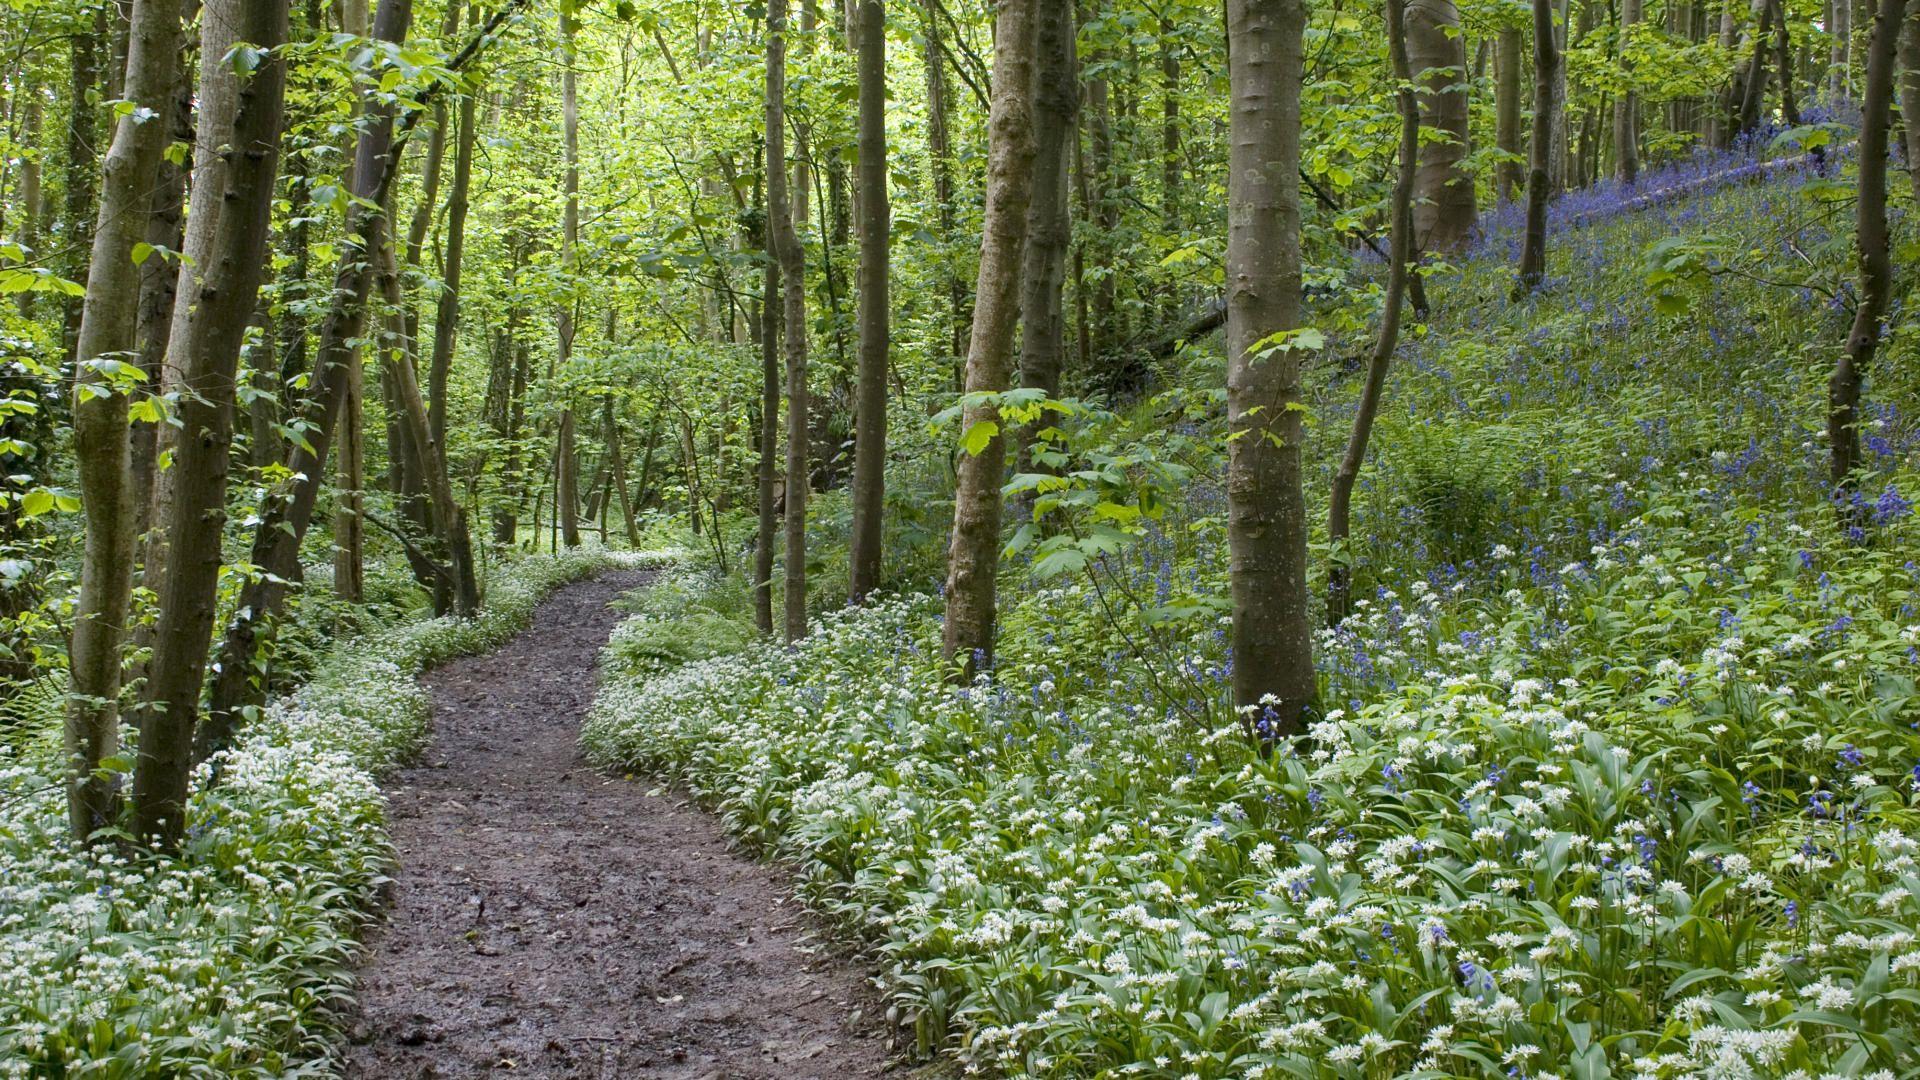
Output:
x=1056 y=120
x=940 y=154
x=284 y=520
x=83 y=164
x=1273 y=677
x=1339 y=503
x=159 y=293
x=350 y=501
x=1839 y=79
x=876 y=225
x=765 y=538
x=1510 y=174
x=973 y=556
x=1444 y=212
x=787 y=251
x=1910 y=90
x=1546 y=65
x=101 y=429
x=446 y=323
x=32 y=198
x=1626 y=108
x=1783 y=59
x=1876 y=264
x=568 y=468
x=1560 y=114
x=208 y=358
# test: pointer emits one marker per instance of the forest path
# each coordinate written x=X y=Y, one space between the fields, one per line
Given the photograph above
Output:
x=551 y=921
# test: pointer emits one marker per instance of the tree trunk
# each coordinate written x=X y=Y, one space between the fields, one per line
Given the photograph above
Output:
x=1444 y=212
x=568 y=469
x=207 y=354
x=973 y=555
x=1340 y=559
x=83 y=165
x=1876 y=264
x=31 y=197
x=1056 y=119
x=101 y=430
x=446 y=322
x=1273 y=678
x=940 y=155
x=764 y=539
x=1626 y=108
x=284 y=520
x=1910 y=90
x=159 y=294
x=876 y=224
x=1839 y=80
x=1546 y=65
x=1510 y=175
x=1560 y=115
x=350 y=501
x=787 y=251
x=1783 y=59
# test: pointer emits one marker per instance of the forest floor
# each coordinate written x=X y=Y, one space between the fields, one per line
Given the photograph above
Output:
x=553 y=921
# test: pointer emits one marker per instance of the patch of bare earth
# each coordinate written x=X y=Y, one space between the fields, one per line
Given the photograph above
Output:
x=547 y=920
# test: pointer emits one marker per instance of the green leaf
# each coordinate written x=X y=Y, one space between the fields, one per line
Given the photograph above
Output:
x=979 y=436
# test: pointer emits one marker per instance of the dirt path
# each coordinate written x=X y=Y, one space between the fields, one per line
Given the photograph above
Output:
x=549 y=921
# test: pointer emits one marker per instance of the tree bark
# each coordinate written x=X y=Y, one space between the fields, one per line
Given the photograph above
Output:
x=208 y=357
x=1876 y=263
x=1056 y=120
x=1546 y=65
x=973 y=556
x=876 y=224
x=83 y=164
x=1274 y=684
x=787 y=251
x=31 y=196
x=770 y=308
x=1839 y=80
x=1510 y=174
x=1444 y=211
x=446 y=322
x=1399 y=266
x=1626 y=108
x=1910 y=89
x=101 y=429
x=568 y=469
x=940 y=155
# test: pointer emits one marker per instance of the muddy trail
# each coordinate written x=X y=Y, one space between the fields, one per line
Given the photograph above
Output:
x=547 y=920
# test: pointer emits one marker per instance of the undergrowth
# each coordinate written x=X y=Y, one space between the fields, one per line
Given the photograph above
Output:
x=232 y=958
x=1618 y=773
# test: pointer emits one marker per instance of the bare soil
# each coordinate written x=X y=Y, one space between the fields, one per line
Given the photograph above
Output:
x=547 y=920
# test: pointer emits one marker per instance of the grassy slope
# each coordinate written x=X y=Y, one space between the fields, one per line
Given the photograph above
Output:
x=1620 y=774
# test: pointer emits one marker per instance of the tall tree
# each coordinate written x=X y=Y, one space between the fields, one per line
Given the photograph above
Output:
x=1056 y=118
x=1546 y=67
x=1909 y=88
x=876 y=224
x=1840 y=59
x=1510 y=174
x=1444 y=212
x=1626 y=108
x=82 y=167
x=207 y=354
x=973 y=555
x=1273 y=678
x=769 y=435
x=1873 y=245
x=566 y=464
x=101 y=428
x=787 y=252
x=1399 y=266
